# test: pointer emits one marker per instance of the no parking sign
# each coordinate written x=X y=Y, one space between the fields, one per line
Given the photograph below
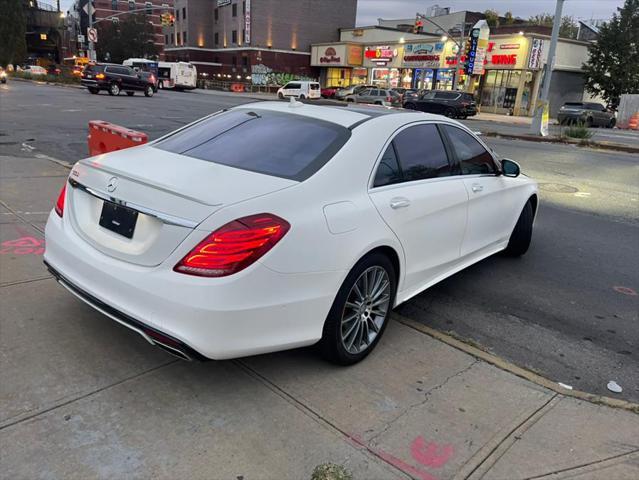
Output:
x=92 y=35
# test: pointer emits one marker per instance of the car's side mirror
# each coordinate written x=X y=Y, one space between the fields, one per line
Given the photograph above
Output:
x=510 y=168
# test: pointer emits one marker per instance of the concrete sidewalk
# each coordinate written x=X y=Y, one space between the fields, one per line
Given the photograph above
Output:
x=83 y=397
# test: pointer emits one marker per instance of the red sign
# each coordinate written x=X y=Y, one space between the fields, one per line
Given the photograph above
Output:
x=379 y=53
x=504 y=59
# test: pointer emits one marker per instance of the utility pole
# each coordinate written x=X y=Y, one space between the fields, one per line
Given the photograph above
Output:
x=540 y=121
x=92 y=55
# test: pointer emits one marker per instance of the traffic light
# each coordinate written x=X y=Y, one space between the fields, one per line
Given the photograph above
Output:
x=167 y=19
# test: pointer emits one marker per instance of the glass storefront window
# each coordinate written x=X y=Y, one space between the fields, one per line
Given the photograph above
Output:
x=359 y=76
x=444 y=79
x=338 y=77
x=423 y=78
x=386 y=77
x=499 y=89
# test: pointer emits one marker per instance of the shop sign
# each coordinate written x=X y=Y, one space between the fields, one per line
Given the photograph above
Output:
x=330 y=56
x=421 y=55
x=476 y=48
x=504 y=59
x=535 y=54
x=380 y=55
x=354 y=54
x=247 y=22
x=509 y=46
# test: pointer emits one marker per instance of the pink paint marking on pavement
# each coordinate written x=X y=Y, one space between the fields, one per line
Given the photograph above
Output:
x=431 y=454
x=398 y=463
x=22 y=246
x=626 y=291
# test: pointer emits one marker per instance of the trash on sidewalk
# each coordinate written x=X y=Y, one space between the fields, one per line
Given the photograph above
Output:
x=614 y=387
x=563 y=385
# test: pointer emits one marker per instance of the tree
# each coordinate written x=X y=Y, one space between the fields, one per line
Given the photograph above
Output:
x=13 y=46
x=492 y=18
x=509 y=19
x=567 y=29
x=613 y=64
x=133 y=36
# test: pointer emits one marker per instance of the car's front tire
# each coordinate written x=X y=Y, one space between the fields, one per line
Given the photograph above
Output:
x=280 y=96
x=148 y=91
x=360 y=311
x=114 y=89
x=94 y=91
x=522 y=234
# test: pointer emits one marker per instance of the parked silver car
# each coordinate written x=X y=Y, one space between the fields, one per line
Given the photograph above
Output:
x=589 y=114
x=342 y=93
x=377 y=96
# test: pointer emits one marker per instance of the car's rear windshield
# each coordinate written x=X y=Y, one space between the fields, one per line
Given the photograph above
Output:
x=94 y=68
x=273 y=143
x=314 y=86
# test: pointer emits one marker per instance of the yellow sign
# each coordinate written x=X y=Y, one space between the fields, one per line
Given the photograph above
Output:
x=43 y=36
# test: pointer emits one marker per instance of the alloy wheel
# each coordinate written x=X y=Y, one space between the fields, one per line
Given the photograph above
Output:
x=365 y=310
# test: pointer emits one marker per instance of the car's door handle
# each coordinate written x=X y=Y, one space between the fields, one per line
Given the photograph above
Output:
x=477 y=187
x=399 y=202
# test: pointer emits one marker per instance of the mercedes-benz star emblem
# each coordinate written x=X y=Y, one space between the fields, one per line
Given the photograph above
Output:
x=112 y=185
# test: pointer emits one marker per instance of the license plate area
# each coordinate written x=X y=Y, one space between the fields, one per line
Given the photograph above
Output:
x=118 y=219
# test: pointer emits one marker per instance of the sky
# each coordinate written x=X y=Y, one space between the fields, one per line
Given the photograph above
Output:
x=368 y=11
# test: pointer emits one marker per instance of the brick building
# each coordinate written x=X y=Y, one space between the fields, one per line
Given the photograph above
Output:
x=105 y=9
x=262 y=41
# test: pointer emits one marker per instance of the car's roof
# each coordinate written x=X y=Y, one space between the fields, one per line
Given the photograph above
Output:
x=345 y=115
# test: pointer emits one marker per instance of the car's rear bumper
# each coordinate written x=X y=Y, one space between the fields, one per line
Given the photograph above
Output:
x=469 y=112
x=254 y=311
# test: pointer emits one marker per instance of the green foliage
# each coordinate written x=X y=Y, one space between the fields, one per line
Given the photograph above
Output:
x=578 y=131
x=13 y=45
x=613 y=64
x=567 y=29
x=131 y=37
x=492 y=18
x=65 y=78
x=509 y=19
x=330 y=471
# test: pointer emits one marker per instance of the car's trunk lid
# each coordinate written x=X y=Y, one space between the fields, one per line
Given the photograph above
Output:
x=171 y=194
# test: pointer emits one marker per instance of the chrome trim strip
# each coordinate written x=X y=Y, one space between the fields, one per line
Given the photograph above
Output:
x=163 y=217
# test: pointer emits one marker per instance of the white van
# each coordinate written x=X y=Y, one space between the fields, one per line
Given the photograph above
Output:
x=177 y=75
x=300 y=89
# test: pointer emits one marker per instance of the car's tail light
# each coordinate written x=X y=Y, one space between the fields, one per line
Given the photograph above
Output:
x=234 y=246
x=389 y=98
x=100 y=76
x=59 y=205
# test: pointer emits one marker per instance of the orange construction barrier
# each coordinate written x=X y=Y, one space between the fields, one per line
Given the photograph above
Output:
x=633 y=124
x=237 y=87
x=106 y=137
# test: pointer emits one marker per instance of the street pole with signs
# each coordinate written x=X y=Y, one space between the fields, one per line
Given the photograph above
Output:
x=540 y=121
x=91 y=53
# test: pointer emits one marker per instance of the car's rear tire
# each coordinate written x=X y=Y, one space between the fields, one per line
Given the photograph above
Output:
x=463 y=117
x=450 y=112
x=360 y=311
x=114 y=89
x=94 y=91
x=350 y=100
x=130 y=94
x=522 y=233
x=148 y=91
x=302 y=97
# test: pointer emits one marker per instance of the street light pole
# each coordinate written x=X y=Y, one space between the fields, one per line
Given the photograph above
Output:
x=539 y=127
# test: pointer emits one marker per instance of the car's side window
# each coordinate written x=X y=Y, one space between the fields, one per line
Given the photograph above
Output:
x=428 y=96
x=388 y=171
x=421 y=153
x=473 y=157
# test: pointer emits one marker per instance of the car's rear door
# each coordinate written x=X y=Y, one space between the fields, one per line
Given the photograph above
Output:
x=420 y=197
x=494 y=201
x=425 y=102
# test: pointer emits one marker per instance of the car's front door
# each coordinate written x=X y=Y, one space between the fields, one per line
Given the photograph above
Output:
x=420 y=198
x=494 y=201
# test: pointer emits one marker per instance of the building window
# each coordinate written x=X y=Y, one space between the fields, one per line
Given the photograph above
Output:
x=177 y=38
x=177 y=14
x=244 y=8
x=234 y=60
x=149 y=8
x=172 y=38
x=234 y=36
x=243 y=36
x=234 y=8
x=114 y=4
x=217 y=39
x=183 y=13
x=216 y=14
x=131 y=4
x=216 y=59
x=166 y=39
x=245 y=60
x=184 y=37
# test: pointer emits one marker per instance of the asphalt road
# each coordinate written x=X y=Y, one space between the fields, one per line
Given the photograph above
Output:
x=568 y=309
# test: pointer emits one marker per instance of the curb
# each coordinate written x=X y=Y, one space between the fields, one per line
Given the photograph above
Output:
x=579 y=143
x=514 y=369
x=52 y=84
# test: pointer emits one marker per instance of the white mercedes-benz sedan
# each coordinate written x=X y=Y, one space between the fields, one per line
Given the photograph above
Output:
x=273 y=225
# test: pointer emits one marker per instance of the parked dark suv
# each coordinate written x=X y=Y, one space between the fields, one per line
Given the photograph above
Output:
x=115 y=79
x=587 y=113
x=444 y=102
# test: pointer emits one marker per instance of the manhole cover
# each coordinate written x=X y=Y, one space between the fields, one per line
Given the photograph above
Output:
x=557 y=188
